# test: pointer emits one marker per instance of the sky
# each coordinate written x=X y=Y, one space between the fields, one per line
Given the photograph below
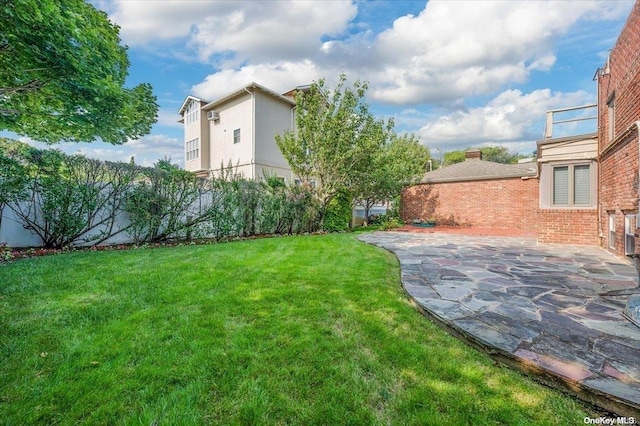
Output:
x=456 y=74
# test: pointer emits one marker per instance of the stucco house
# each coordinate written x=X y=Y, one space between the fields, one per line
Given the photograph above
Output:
x=238 y=128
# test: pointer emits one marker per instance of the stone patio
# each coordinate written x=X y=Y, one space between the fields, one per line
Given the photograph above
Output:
x=538 y=308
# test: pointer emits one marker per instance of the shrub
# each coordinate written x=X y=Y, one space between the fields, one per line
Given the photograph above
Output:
x=339 y=212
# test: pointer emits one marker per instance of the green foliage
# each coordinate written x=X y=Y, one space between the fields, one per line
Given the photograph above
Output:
x=339 y=212
x=496 y=154
x=500 y=154
x=453 y=157
x=287 y=209
x=398 y=163
x=159 y=205
x=62 y=75
x=335 y=138
x=388 y=223
x=65 y=198
x=13 y=174
x=6 y=254
x=71 y=200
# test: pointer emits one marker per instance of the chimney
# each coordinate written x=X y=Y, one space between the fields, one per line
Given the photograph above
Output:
x=473 y=154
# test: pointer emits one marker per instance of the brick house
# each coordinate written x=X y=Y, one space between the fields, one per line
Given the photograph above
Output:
x=476 y=193
x=585 y=189
x=567 y=189
x=618 y=126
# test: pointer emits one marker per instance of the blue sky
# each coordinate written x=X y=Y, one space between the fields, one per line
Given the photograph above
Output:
x=454 y=73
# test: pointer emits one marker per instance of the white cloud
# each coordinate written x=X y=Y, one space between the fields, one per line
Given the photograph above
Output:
x=279 y=77
x=449 y=51
x=169 y=118
x=507 y=119
x=151 y=148
x=458 y=49
x=146 y=150
x=261 y=31
x=237 y=31
x=143 y=22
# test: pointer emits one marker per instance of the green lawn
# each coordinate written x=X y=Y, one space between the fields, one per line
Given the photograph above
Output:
x=290 y=330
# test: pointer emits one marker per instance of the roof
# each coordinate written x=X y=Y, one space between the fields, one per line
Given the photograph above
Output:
x=569 y=148
x=186 y=102
x=476 y=169
x=243 y=90
x=292 y=93
x=567 y=139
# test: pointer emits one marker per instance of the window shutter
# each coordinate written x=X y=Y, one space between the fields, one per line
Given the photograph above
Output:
x=561 y=185
x=581 y=185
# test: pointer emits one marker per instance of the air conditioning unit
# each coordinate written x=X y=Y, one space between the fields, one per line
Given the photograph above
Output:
x=213 y=115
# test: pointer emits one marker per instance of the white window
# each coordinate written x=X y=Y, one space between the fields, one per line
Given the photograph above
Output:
x=192 y=113
x=629 y=234
x=193 y=149
x=236 y=136
x=612 y=231
x=572 y=185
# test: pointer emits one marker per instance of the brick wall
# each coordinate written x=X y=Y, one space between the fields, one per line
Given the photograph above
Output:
x=503 y=203
x=618 y=182
x=499 y=203
x=568 y=226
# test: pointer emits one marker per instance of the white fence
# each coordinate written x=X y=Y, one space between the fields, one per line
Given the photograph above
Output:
x=13 y=233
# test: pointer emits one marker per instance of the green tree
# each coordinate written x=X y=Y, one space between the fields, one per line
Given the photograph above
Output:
x=62 y=75
x=500 y=154
x=453 y=157
x=335 y=138
x=496 y=154
x=400 y=162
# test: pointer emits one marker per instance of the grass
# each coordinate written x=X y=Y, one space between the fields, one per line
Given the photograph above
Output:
x=290 y=330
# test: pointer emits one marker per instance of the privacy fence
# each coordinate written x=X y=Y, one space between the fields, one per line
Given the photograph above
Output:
x=49 y=199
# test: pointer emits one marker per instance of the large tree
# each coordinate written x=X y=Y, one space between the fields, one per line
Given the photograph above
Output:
x=335 y=138
x=400 y=162
x=63 y=72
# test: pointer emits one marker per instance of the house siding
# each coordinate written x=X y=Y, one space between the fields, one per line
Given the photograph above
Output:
x=259 y=114
x=498 y=203
x=618 y=189
x=272 y=117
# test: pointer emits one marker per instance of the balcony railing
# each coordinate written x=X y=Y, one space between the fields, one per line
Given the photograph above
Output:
x=580 y=116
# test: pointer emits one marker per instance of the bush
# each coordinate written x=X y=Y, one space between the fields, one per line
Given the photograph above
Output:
x=390 y=223
x=338 y=215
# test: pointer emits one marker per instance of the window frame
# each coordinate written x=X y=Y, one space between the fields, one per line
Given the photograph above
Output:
x=612 y=231
x=236 y=136
x=611 y=117
x=192 y=112
x=571 y=185
x=192 y=149
x=629 y=234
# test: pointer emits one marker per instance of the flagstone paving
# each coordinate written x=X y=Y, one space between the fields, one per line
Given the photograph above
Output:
x=538 y=308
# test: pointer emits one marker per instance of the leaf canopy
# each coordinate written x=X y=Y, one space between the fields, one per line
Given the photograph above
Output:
x=63 y=73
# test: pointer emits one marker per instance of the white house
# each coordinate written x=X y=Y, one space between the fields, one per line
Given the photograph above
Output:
x=239 y=128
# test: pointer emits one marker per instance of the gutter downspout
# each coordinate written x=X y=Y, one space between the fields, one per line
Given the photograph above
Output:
x=637 y=124
x=253 y=131
x=293 y=129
